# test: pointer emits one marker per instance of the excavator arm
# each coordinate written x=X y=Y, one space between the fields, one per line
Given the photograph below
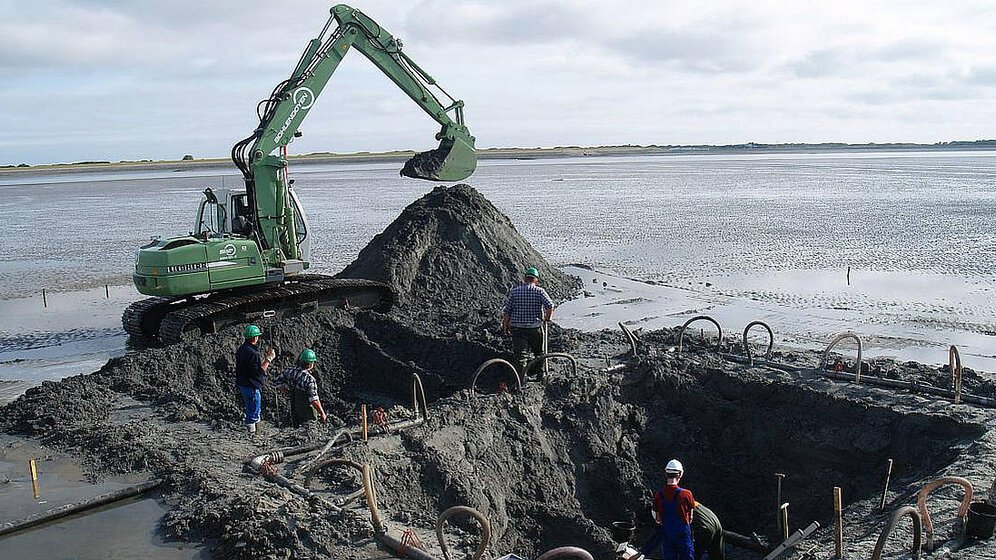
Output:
x=282 y=113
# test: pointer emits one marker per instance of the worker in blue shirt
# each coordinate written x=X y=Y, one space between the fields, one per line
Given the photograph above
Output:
x=249 y=372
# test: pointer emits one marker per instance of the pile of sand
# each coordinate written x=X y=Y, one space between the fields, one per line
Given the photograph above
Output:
x=453 y=256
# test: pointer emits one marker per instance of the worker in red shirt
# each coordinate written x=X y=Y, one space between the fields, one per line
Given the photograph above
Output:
x=673 y=507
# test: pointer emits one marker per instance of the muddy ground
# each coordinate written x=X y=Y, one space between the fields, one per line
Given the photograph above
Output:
x=553 y=464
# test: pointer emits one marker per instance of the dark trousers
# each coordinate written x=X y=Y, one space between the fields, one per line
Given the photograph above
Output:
x=301 y=409
x=525 y=340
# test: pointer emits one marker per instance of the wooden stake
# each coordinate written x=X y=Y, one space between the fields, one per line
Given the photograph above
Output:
x=778 y=515
x=107 y=292
x=44 y=298
x=838 y=525
x=848 y=276
x=363 y=412
x=888 y=475
x=34 y=477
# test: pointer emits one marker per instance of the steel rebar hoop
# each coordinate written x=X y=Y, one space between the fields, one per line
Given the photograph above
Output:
x=419 y=390
x=310 y=473
x=544 y=357
x=954 y=365
x=681 y=333
x=825 y=358
x=483 y=521
x=566 y=552
x=771 y=341
x=921 y=503
x=489 y=363
x=914 y=516
x=629 y=336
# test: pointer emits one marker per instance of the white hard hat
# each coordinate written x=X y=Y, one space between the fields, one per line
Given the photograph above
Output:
x=674 y=466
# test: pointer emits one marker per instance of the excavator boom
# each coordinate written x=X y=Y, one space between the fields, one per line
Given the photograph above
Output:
x=248 y=255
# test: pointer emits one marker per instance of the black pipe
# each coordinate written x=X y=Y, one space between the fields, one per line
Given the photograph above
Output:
x=747 y=543
x=85 y=505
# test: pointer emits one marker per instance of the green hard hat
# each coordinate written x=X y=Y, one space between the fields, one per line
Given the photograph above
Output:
x=532 y=272
x=252 y=331
x=307 y=356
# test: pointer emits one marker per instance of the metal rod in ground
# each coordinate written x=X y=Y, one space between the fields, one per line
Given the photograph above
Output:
x=546 y=347
x=784 y=518
x=34 y=477
x=838 y=525
x=85 y=505
x=363 y=413
x=885 y=490
x=44 y=298
x=778 y=505
x=107 y=292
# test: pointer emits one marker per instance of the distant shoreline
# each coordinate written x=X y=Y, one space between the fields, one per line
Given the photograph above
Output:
x=512 y=153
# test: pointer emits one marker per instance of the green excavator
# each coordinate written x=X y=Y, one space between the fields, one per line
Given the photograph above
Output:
x=247 y=257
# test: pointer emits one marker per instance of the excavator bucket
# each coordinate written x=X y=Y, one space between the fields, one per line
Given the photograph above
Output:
x=454 y=160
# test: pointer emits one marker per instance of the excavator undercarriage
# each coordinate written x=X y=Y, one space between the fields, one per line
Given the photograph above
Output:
x=172 y=320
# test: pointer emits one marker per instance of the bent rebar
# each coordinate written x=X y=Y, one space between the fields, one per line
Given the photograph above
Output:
x=954 y=365
x=921 y=504
x=310 y=473
x=629 y=336
x=544 y=357
x=489 y=363
x=681 y=333
x=896 y=517
x=566 y=552
x=419 y=389
x=328 y=446
x=483 y=521
x=824 y=359
x=771 y=341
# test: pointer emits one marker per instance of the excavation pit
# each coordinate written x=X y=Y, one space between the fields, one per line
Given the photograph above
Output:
x=559 y=463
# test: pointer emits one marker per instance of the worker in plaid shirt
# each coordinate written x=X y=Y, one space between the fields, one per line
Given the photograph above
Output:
x=303 y=389
x=528 y=306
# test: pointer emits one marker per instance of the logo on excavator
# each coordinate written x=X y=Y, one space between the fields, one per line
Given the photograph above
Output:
x=303 y=98
x=227 y=251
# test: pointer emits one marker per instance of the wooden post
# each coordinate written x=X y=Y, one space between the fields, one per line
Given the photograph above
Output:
x=784 y=511
x=107 y=292
x=363 y=413
x=888 y=475
x=848 y=276
x=44 y=298
x=34 y=477
x=838 y=525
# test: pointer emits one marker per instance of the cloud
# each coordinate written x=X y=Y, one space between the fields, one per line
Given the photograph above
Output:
x=116 y=79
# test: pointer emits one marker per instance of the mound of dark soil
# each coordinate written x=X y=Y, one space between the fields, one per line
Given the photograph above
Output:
x=453 y=255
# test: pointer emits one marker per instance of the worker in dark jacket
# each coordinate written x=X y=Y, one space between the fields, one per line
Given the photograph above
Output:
x=528 y=306
x=707 y=534
x=303 y=389
x=249 y=373
x=673 y=507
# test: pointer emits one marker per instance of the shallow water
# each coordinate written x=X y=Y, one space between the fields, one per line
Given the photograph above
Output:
x=124 y=530
x=774 y=234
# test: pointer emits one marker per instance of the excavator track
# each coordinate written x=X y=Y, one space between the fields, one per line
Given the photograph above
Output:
x=176 y=320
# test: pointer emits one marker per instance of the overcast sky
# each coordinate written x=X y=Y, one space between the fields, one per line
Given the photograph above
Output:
x=114 y=80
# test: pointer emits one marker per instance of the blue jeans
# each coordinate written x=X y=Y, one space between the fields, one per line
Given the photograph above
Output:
x=250 y=397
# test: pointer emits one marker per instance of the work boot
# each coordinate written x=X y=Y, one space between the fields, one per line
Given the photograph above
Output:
x=252 y=429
